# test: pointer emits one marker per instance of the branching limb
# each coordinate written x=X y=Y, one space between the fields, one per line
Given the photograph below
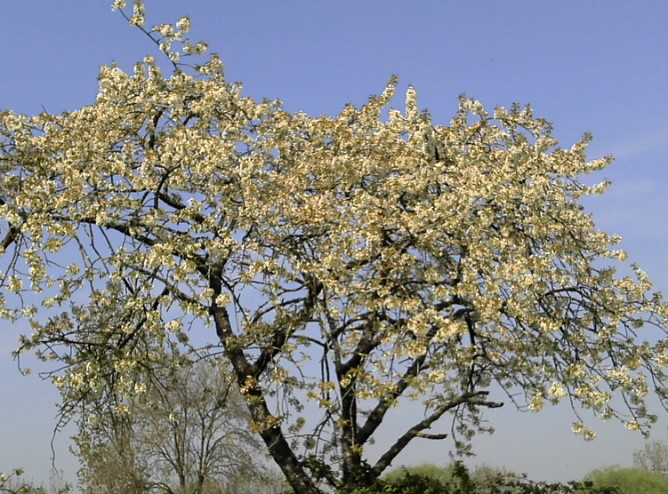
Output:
x=474 y=398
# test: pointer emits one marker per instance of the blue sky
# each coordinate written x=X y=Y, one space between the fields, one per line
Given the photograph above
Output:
x=593 y=66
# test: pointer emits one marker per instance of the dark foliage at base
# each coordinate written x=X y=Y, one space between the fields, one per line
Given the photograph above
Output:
x=460 y=481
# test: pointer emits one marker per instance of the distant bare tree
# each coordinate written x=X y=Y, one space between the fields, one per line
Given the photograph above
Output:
x=14 y=483
x=653 y=457
x=186 y=433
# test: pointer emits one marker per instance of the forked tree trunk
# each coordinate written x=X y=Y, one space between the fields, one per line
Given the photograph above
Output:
x=273 y=437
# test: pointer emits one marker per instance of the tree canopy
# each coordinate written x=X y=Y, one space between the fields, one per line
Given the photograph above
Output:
x=342 y=263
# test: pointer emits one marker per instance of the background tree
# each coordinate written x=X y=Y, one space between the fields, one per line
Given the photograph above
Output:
x=653 y=457
x=15 y=483
x=629 y=480
x=345 y=264
x=186 y=433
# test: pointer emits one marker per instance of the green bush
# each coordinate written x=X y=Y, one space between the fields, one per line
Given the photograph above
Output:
x=426 y=470
x=629 y=480
x=421 y=479
x=456 y=479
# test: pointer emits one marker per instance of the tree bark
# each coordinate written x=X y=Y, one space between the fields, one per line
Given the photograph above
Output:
x=273 y=437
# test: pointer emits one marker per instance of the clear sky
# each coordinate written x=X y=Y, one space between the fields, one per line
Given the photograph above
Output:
x=594 y=66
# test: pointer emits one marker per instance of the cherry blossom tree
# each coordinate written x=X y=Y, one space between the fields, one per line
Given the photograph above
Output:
x=344 y=264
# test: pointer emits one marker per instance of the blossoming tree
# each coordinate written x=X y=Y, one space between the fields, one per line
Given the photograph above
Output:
x=344 y=264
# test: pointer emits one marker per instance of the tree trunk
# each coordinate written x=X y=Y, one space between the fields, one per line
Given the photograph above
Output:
x=279 y=449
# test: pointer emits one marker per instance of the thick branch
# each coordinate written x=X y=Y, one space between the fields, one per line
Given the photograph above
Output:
x=416 y=430
x=281 y=336
x=11 y=234
x=376 y=416
x=364 y=347
x=270 y=429
x=9 y=238
x=435 y=437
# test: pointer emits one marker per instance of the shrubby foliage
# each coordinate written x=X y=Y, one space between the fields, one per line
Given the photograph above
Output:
x=344 y=263
x=456 y=479
x=425 y=470
x=629 y=480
